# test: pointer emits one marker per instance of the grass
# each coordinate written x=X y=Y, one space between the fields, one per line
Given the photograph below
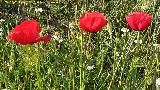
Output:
x=118 y=63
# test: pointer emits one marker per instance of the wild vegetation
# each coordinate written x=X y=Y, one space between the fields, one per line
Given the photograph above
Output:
x=112 y=58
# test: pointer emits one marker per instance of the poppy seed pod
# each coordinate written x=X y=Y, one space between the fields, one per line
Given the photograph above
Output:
x=138 y=20
x=27 y=33
x=92 y=21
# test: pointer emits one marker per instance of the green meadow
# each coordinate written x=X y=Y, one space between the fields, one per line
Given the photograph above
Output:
x=111 y=59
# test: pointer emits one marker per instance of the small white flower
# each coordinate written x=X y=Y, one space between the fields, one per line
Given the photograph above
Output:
x=158 y=82
x=140 y=41
x=135 y=41
x=156 y=45
x=38 y=10
x=71 y=25
x=117 y=53
x=1 y=32
x=2 y=20
x=90 y=67
x=125 y=30
x=54 y=36
x=61 y=40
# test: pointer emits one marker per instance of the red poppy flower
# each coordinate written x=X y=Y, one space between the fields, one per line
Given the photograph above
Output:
x=27 y=33
x=139 y=20
x=92 y=21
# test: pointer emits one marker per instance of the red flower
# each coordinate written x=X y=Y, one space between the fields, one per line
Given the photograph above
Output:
x=139 y=20
x=27 y=33
x=92 y=21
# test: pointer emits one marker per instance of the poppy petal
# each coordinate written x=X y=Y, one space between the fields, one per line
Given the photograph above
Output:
x=145 y=23
x=44 y=38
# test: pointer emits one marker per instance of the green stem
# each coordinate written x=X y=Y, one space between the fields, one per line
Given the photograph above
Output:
x=38 y=68
x=136 y=57
x=72 y=70
x=114 y=70
x=81 y=65
x=138 y=44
